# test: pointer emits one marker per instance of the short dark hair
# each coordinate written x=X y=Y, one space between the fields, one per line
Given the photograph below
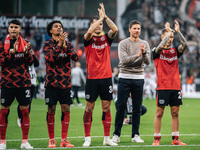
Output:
x=49 y=26
x=15 y=21
x=134 y=22
x=94 y=18
x=163 y=31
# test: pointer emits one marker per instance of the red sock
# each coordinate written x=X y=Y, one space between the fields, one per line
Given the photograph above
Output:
x=3 y=124
x=106 y=120
x=87 y=121
x=157 y=137
x=65 y=124
x=175 y=137
x=25 y=124
x=50 y=125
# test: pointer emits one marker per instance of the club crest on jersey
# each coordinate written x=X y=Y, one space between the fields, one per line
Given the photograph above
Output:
x=103 y=38
x=7 y=41
x=172 y=51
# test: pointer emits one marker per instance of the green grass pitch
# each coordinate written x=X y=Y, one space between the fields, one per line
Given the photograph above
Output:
x=38 y=136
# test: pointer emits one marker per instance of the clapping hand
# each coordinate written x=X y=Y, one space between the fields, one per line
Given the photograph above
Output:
x=27 y=47
x=62 y=37
x=15 y=47
x=177 y=27
x=101 y=11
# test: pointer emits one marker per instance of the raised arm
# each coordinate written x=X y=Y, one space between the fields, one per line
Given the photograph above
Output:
x=94 y=25
x=113 y=28
x=165 y=39
x=183 y=45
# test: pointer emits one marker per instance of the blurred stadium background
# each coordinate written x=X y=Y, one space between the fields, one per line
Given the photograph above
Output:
x=76 y=14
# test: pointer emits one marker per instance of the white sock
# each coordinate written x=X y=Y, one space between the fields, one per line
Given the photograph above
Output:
x=175 y=133
x=106 y=137
x=157 y=134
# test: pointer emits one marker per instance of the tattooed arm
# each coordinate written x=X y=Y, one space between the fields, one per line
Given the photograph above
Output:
x=162 y=43
x=113 y=28
x=165 y=39
x=183 y=45
x=94 y=25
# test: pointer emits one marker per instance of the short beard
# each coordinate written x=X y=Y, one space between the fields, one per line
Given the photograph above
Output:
x=97 y=32
x=14 y=37
x=135 y=37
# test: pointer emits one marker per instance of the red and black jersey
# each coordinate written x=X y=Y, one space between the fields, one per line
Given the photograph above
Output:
x=97 y=51
x=58 y=66
x=15 y=67
x=166 y=64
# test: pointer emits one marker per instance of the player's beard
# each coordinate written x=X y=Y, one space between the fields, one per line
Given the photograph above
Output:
x=97 y=32
x=14 y=36
x=135 y=35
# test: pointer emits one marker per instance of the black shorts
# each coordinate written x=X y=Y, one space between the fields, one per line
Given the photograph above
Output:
x=52 y=95
x=8 y=95
x=168 y=97
x=98 y=87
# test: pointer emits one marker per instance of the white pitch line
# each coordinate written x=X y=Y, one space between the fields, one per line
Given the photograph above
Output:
x=119 y=146
x=35 y=139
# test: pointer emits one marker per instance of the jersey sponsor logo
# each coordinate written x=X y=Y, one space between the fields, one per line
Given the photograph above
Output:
x=19 y=55
x=87 y=96
x=3 y=100
x=172 y=51
x=161 y=101
x=99 y=47
x=168 y=59
x=62 y=55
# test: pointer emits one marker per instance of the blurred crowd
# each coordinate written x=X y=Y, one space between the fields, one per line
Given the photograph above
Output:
x=155 y=13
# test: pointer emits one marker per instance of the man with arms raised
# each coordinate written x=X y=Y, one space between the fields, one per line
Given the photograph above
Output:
x=99 y=74
x=168 y=81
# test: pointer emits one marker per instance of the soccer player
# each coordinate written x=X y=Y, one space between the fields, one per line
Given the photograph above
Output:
x=168 y=81
x=133 y=54
x=15 y=58
x=58 y=53
x=99 y=73
x=33 y=76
